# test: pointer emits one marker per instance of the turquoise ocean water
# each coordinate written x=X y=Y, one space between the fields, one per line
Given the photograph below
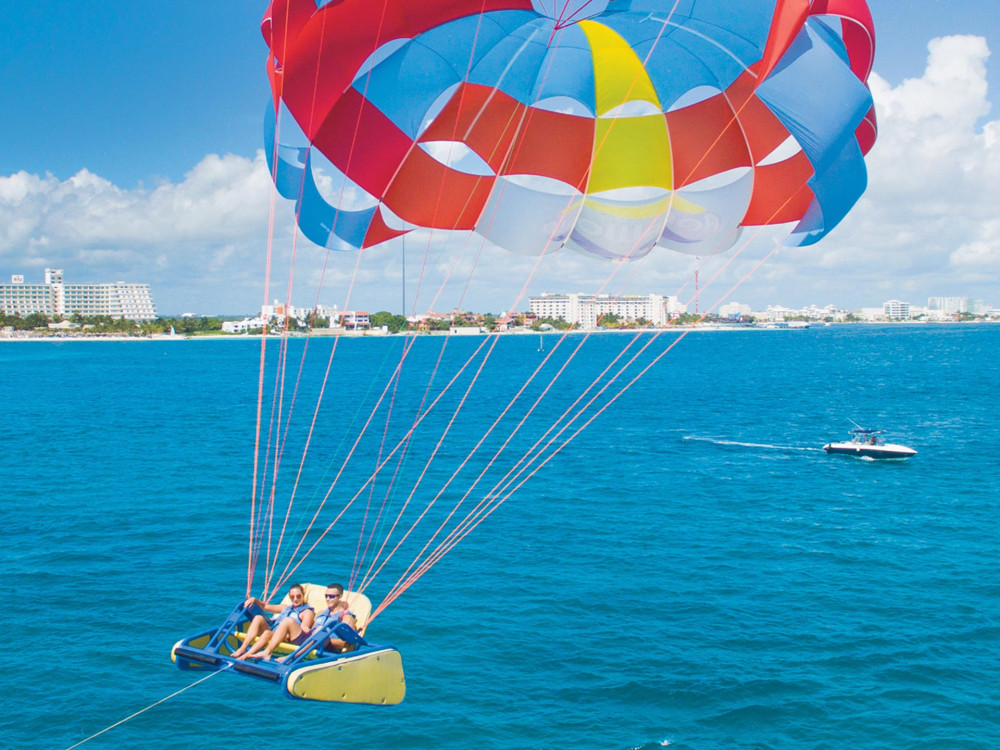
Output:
x=691 y=571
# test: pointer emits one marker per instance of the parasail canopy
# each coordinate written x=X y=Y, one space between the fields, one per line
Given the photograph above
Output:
x=605 y=126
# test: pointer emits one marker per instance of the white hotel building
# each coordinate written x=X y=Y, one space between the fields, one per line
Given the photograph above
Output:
x=586 y=309
x=55 y=298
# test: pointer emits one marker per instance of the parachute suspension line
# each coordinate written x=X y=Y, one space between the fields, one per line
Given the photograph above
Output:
x=255 y=511
x=279 y=443
x=358 y=555
x=347 y=431
x=497 y=503
x=506 y=479
x=503 y=447
x=368 y=580
x=371 y=477
x=460 y=532
x=266 y=526
x=524 y=419
x=283 y=354
x=254 y=545
x=151 y=705
x=624 y=369
x=312 y=427
x=343 y=466
x=391 y=487
x=425 y=262
x=319 y=400
x=268 y=514
x=392 y=483
x=365 y=582
x=356 y=565
x=441 y=288
x=369 y=577
x=446 y=521
x=475 y=448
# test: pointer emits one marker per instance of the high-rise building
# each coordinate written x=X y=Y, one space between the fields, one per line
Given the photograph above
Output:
x=948 y=305
x=896 y=310
x=586 y=309
x=55 y=298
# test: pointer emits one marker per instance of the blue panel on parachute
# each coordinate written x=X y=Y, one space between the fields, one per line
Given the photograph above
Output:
x=837 y=189
x=821 y=103
x=409 y=81
x=320 y=222
x=688 y=52
x=567 y=69
x=324 y=224
x=516 y=63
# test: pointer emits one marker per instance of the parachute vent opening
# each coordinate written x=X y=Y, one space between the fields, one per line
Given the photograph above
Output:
x=435 y=109
x=335 y=187
x=564 y=105
x=378 y=56
x=542 y=184
x=638 y=195
x=639 y=108
x=458 y=156
x=785 y=150
x=716 y=181
x=694 y=96
x=393 y=221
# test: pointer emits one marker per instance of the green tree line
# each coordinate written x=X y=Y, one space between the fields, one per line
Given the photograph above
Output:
x=106 y=324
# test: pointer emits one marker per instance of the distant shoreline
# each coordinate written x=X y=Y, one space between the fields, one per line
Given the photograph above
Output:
x=705 y=328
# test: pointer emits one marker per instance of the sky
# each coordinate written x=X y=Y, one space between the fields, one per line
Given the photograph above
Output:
x=131 y=150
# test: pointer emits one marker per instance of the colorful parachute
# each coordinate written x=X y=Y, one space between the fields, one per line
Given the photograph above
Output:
x=605 y=126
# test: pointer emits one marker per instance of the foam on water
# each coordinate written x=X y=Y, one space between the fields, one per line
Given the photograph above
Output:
x=768 y=446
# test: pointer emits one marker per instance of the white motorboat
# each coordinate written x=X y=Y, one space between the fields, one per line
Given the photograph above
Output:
x=865 y=443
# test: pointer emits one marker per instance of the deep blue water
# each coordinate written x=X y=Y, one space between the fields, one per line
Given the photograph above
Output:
x=691 y=571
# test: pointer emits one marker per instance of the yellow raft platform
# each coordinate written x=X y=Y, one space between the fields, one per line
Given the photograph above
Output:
x=367 y=673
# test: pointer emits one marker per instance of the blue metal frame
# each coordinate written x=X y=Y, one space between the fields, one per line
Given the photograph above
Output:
x=210 y=656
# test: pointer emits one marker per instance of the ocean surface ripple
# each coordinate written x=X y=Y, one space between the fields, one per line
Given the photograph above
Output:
x=691 y=572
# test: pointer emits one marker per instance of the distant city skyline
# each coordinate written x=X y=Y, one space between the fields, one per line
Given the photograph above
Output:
x=947 y=301
x=156 y=175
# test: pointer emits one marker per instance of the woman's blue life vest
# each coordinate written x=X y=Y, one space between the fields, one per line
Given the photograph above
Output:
x=294 y=612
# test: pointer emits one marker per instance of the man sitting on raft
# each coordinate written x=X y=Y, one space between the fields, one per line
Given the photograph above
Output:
x=336 y=611
x=292 y=624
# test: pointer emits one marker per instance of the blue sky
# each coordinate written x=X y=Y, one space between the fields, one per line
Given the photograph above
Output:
x=138 y=110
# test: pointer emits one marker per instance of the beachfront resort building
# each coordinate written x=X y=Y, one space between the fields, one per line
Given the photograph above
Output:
x=586 y=309
x=894 y=309
x=734 y=310
x=301 y=317
x=57 y=299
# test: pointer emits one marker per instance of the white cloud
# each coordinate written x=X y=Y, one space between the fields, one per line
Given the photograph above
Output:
x=927 y=224
x=199 y=242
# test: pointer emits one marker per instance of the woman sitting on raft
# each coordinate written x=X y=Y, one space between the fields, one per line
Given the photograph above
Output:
x=292 y=624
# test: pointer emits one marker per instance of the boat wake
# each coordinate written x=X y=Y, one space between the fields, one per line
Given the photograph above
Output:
x=736 y=443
